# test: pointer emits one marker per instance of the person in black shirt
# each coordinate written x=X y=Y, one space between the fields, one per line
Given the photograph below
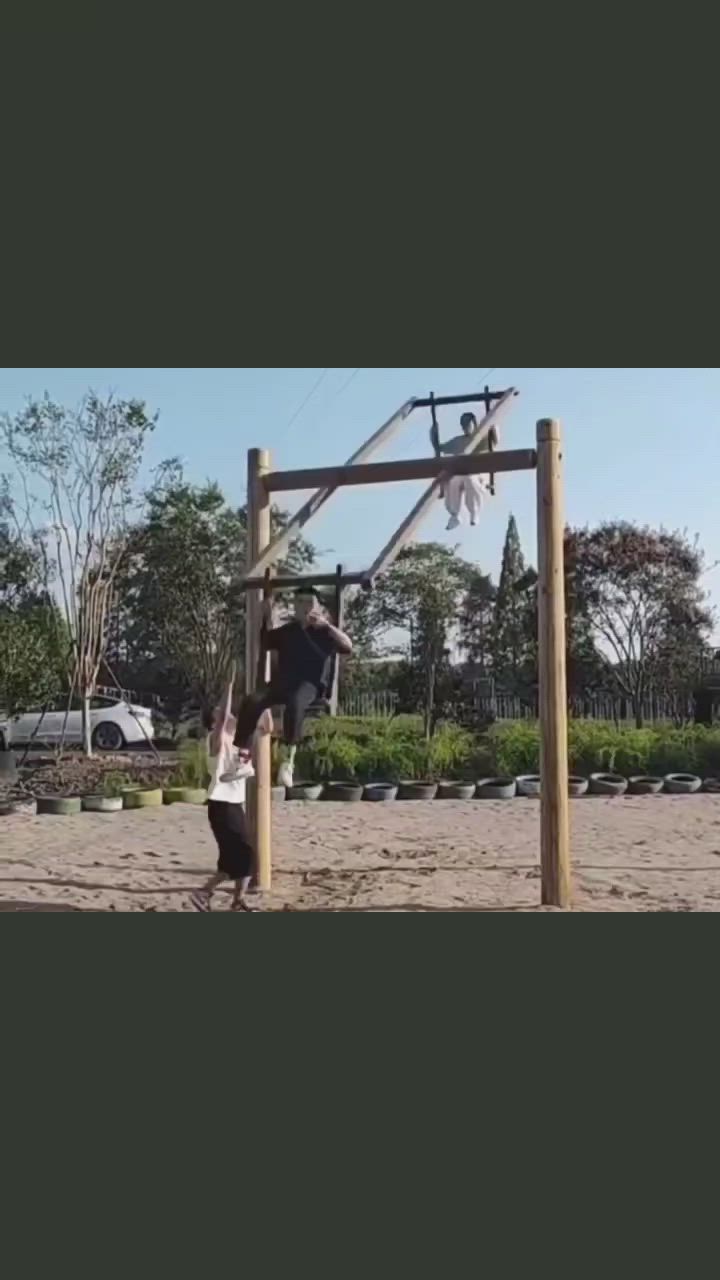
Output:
x=304 y=649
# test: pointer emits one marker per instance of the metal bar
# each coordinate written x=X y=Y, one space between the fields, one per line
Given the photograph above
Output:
x=280 y=544
x=478 y=397
x=309 y=580
x=423 y=507
x=397 y=472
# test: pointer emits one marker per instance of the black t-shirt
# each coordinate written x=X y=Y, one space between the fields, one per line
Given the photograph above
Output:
x=303 y=654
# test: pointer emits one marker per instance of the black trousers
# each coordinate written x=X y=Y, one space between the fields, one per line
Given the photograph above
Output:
x=296 y=702
x=229 y=826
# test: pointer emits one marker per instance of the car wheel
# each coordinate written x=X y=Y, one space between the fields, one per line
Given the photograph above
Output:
x=108 y=737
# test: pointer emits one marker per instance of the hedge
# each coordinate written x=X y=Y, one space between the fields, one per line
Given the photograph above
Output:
x=393 y=750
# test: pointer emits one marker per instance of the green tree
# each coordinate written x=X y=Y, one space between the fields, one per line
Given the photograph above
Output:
x=639 y=593
x=182 y=606
x=514 y=631
x=477 y=618
x=33 y=658
x=20 y=570
x=420 y=595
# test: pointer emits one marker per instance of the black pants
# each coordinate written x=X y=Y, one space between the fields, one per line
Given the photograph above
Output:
x=296 y=702
x=235 y=853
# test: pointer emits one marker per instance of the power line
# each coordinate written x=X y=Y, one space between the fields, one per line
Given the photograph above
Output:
x=333 y=399
x=345 y=385
x=316 y=387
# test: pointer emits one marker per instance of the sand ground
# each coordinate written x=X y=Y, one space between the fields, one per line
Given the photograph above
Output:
x=646 y=854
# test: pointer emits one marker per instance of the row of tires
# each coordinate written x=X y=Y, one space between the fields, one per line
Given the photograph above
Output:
x=529 y=786
x=131 y=798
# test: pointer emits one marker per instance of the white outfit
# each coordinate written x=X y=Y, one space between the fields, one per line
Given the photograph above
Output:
x=464 y=490
x=224 y=785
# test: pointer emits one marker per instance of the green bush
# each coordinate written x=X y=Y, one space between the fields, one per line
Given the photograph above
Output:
x=597 y=746
x=192 y=770
x=378 y=750
x=114 y=782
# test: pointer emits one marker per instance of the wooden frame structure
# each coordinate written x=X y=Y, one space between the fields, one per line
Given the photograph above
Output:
x=264 y=553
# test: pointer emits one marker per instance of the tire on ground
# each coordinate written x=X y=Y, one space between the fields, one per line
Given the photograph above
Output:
x=608 y=784
x=497 y=789
x=682 y=784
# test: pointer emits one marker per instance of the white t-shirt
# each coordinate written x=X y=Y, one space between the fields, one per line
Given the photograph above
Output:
x=225 y=763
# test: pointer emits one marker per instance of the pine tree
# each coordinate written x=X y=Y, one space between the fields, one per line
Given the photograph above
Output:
x=511 y=641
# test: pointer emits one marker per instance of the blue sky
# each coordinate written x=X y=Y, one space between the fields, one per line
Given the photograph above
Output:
x=640 y=443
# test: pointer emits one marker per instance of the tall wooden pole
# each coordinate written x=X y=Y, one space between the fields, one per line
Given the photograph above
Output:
x=260 y=790
x=555 y=820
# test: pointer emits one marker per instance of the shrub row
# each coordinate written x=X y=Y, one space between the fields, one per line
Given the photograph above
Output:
x=367 y=750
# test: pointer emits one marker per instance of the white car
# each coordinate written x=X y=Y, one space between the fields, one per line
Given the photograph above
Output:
x=114 y=725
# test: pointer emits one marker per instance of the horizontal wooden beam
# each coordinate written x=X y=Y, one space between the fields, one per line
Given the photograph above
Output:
x=475 y=464
x=308 y=580
x=478 y=397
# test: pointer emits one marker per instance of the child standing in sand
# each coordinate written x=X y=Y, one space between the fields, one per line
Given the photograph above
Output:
x=226 y=808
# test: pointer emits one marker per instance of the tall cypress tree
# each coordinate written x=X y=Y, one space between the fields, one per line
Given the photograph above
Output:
x=510 y=632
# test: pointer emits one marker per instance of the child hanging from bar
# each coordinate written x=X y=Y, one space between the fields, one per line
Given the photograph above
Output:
x=303 y=650
x=226 y=808
x=459 y=491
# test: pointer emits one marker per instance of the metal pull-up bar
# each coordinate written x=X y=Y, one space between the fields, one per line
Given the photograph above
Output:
x=485 y=397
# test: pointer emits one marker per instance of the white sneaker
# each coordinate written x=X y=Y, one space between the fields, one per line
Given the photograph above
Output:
x=453 y=523
x=286 y=775
x=243 y=769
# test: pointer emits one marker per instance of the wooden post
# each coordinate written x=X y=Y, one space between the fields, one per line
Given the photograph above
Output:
x=260 y=790
x=555 y=833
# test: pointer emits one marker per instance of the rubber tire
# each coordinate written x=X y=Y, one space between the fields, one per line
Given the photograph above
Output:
x=185 y=795
x=380 y=793
x=102 y=804
x=578 y=787
x=279 y=795
x=711 y=786
x=108 y=724
x=608 y=784
x=682 y=784
x=456 y=791
x=646 y=786
x=59 y=806
x=309 y=792
x=343 y=793
x=151 y=798
x=529 y=786
x=417 y=791
x=496 y=789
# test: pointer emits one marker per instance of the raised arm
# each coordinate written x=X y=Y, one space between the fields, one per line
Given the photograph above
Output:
x=319 y=622
x=221 y=722
x=435 y=430
x=343 y=641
